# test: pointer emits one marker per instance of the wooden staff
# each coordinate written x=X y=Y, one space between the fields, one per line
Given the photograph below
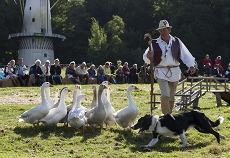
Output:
x=151 y=70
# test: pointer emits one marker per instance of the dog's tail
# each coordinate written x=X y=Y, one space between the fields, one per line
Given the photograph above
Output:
x=217 y=122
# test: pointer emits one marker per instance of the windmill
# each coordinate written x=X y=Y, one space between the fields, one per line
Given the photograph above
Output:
x=36 y=38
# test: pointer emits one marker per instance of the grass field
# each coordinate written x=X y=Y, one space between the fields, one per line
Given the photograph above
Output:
x=19 y=139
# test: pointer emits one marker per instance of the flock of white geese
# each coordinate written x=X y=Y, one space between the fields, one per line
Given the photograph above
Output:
x=99 y=112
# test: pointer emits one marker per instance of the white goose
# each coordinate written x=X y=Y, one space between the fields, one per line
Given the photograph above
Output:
x=126 y=116
x=109 y=120
x=56 y=114
x=76 y=116
x=56 y=95
x=36 y=113
x=94 y=101
x=76 y=92
x=96 y=116
x=50 y=102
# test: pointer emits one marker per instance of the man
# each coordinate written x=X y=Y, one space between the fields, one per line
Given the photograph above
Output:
x=144 y=73
x=134 y=74
x=166 y=51
x=82 y=73
x=36 y=74
x=22 y=73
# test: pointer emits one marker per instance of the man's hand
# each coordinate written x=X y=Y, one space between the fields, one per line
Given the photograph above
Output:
x=192 y=70
x=150 y=54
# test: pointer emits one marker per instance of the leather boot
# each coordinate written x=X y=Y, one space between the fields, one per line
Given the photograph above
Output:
x=165 y=107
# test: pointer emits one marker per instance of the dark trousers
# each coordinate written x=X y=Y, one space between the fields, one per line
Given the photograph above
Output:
x=21 y=78
x=81 y=77
x=56 y=78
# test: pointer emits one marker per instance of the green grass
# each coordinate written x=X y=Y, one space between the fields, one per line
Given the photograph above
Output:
x=22 y=140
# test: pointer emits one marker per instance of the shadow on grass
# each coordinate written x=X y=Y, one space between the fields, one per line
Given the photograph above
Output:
x=60 y=131
x=134 y=141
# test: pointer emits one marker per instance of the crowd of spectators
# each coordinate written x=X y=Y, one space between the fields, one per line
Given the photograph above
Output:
x=20 y=74
x=80 y=74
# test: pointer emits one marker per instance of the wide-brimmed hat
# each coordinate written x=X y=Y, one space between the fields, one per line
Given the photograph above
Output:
x=163 y=24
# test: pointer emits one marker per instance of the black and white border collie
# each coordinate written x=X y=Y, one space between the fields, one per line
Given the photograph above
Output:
x=176 y=125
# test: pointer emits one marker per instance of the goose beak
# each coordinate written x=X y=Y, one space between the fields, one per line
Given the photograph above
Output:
x=51 y=85
x=136 y=88
x=69 y=90
x=109 y=83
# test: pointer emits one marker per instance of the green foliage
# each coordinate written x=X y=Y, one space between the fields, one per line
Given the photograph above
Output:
x=97 y=43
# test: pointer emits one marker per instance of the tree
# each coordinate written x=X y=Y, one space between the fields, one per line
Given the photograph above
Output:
x=116 y=47
x=97 y=44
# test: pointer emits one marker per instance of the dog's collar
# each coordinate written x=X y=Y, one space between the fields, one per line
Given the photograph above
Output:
x=153 y=125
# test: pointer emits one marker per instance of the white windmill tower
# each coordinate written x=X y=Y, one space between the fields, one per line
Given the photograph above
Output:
x=36 y=36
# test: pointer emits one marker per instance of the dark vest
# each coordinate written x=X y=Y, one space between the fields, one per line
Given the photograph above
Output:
x=175 y=48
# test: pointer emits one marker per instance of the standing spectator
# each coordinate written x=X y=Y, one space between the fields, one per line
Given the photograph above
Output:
x=83 y=73
x=10 y=74
x=134 y=74
x=166 y=52
x=22 y=73
x=218 y=61
x=92 y=71
x=144 y=73
x=126 y=71
x=71 y=73
x=46 y=70
x=119 y=75
x=55 y=71
x=36 y=74
x=207 y=66
x=101 y=75
x=227 y=73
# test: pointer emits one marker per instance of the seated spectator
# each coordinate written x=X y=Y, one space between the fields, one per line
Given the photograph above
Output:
x=101 y=75
x=10 y=74
x=126 y=71
x=216 y=71
x=2 y=75
x=227 y=73
x=46 y=70
x=36 y=74
x=71 y=73
x=218 y=61
x=107 y=71
x=55 y=71
x=120 y=75
x=92 y=71
x=22 y=73
x=144 y=73
x=83 y=73
x=134 y=74
x=188 y=73
x=112 y=68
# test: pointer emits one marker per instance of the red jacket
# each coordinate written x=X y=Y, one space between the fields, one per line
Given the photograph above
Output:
x=220 y=66
x=208 y=61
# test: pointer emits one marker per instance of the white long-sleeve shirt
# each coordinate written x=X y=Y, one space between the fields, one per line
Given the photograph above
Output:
x=167 y=60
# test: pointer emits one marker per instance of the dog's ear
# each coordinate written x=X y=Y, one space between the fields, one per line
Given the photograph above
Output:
x=148 y=119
